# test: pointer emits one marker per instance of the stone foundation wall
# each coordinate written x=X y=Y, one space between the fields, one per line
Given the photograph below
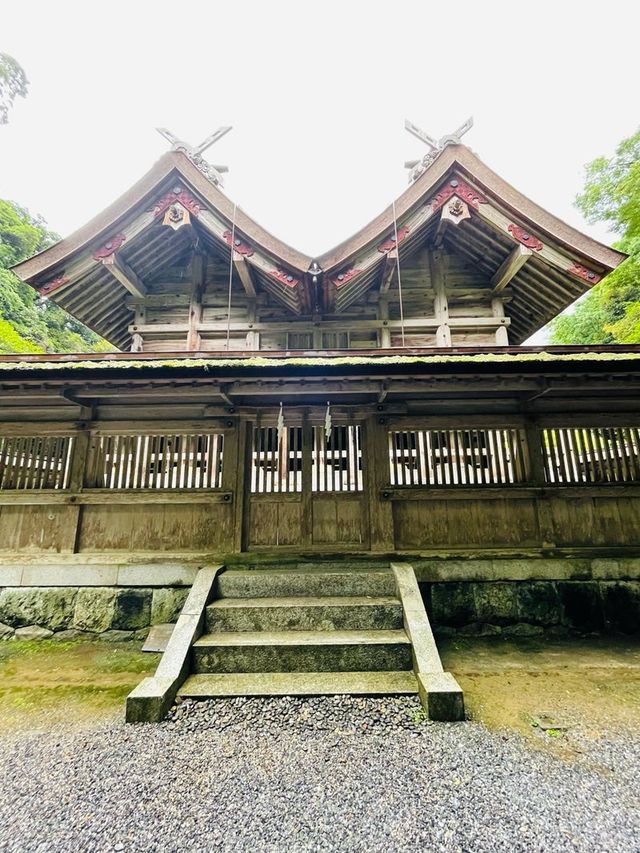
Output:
x=530 y=607
x=115 y=611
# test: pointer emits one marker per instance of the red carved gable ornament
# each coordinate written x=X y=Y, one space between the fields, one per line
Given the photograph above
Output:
x=285 y=278
x=462 y=190
x=343 y=277
x=525 y=238
x=109 y=247
x=54 y=284
x=238 y=245
x=583 y=272
x=180 y=196
x=390 y=243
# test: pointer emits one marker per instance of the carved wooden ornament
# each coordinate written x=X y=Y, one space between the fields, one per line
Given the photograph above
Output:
x=178 y=195
x=583 y=272
x=285 y=277
x=458 y=187
x=239 y=246
x=525 y=238
x=176 y=216
x=346 y=275
x=109 y=247
x=54 y=284
x=390 y=243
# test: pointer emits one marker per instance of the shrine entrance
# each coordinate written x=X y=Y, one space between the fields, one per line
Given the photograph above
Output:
x=306 y=486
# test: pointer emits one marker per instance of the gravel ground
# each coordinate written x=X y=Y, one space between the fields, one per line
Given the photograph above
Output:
x=346 y=774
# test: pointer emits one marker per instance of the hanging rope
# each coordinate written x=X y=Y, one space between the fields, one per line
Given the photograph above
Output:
x=395 y=237
x=233 y=248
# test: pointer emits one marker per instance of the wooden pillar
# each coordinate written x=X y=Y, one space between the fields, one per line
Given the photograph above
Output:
x=536 y=462
x=307 y=496
x=253 y=338
x=383 y=314
x=139 y=319
x=195 y=303
x=502 y=335
x=377 y=460
x=440 y=303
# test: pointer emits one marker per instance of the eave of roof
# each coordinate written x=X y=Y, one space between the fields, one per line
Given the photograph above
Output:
x=521 y=358
x=465 y=160
x=108 y=220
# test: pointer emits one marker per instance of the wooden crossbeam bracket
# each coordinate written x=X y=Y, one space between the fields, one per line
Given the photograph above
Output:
x=245 y=274
x=123 y=273
x=389 y=270
x=514 y=261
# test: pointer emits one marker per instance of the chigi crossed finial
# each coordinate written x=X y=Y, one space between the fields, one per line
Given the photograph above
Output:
x=417 y=167
x=194 y=152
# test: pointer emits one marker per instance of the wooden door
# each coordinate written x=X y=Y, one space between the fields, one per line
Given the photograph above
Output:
x=306 y=490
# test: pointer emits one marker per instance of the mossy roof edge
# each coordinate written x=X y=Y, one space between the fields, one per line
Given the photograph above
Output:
x=266 y=362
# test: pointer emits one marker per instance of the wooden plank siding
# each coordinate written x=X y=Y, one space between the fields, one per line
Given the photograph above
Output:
x=399 y=483
x=460 y=293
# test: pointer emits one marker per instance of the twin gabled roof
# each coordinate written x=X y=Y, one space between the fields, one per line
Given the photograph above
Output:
x=457 y=202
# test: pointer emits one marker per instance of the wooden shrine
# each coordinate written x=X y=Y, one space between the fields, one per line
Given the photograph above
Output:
x=378 y=398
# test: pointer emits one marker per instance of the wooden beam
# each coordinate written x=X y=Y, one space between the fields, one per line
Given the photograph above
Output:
x=440 y=303
x=123 y=273
x=514 y=261
x=389 y=270
x=198 y=267
x=245 y=275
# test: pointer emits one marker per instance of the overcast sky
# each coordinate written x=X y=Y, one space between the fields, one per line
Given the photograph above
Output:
x=317 y=95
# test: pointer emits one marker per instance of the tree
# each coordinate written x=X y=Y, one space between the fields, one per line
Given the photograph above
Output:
x=29 y=323
x=13 y=84
x=610 y=313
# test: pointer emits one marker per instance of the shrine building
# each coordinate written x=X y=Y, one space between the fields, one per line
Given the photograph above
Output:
x=301 y=441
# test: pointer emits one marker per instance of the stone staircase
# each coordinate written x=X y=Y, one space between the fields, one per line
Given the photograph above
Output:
x=295 y=632
x=313 y=629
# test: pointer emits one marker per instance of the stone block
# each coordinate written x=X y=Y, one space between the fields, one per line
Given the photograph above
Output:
x=539 y=603
x=6 y=631
x=629 y=568
x=452 y=604
x=33 y=632
x=116 y=636
x=52 y=608
x=441 y=696
x=496 y=602
x=157 y=574
x=523 y=629
x=150 y=700
x=95 y=608
x=132 y=609
x=582 y=604
x=166 y=604
x=622 y=605
x=10 y=575
x=69 y=575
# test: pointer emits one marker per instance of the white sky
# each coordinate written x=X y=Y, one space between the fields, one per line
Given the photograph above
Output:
x=317 y=95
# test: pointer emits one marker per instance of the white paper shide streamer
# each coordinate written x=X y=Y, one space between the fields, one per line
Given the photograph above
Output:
x=327 y=422
x=280 y=426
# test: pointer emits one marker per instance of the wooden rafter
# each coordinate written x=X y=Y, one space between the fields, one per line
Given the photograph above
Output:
x=123 y=273
x=514 y=261
x=389 y=270
x=246 y=276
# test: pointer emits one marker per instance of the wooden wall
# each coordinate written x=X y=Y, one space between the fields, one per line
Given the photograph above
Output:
x=163 y=318
x=383 y=517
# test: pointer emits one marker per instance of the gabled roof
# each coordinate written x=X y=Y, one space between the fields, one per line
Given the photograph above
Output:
x=546 y=263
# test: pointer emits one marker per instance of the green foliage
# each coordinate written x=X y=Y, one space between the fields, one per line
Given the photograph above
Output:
x=29 y=323
x=610 y=313
x=13 y=84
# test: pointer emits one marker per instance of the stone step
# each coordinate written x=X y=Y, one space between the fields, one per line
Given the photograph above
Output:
x=305 y=614
x=298 y=684
x=275 y=584
x=302 y=651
